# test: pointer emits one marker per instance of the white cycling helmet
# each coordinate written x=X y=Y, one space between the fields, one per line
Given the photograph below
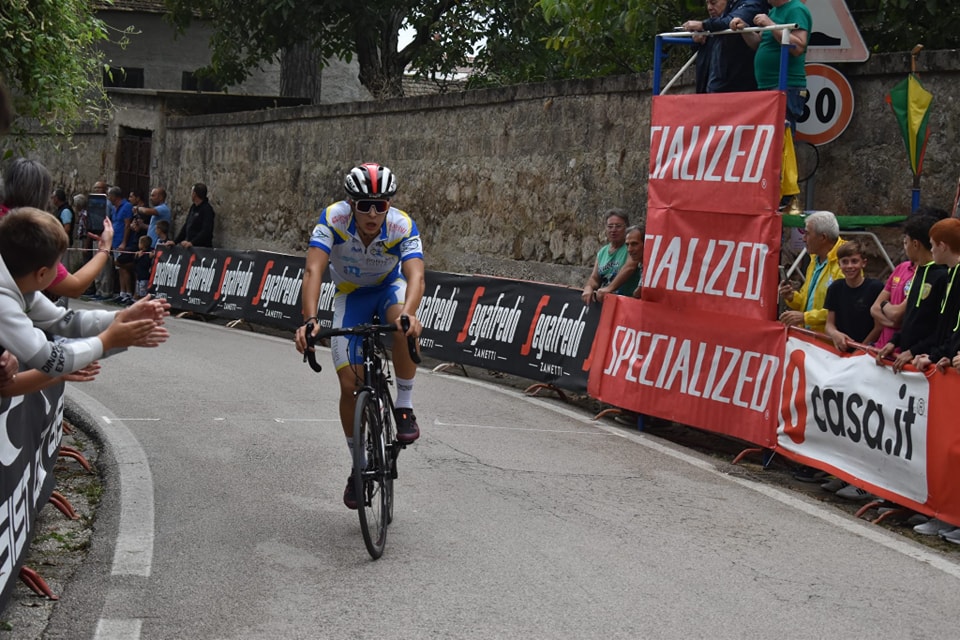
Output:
x=370 y=180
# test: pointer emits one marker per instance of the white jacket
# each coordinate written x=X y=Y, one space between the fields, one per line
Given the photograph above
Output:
x=25 y=318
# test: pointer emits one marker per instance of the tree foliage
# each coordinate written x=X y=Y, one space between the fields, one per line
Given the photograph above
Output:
x=603 y=37
x=49 y=53
x=898 y=25
x=248 y=33
x=515 y=51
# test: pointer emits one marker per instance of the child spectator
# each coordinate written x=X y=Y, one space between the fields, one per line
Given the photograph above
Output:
x=142 y=264
x=940 y=347
x=848 y=301
x=918 y=317
x=163 y=234
x=32 y=242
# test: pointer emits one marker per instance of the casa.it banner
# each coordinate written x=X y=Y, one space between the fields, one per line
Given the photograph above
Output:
x=726 y=263
x=891 y=434
x=706 y=370
x=720 y=152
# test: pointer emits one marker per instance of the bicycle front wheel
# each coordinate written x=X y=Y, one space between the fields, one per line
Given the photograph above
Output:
x=372 y=477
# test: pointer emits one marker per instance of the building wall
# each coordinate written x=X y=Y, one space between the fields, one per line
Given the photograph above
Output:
x=155 y=47
x=509 y=181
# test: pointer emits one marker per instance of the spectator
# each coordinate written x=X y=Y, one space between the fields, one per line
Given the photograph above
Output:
x=848 y=301
x=31 y=243
x=822 y=239
x=731 y=59
x=926 y=291
x=143 y=263
x=611 y=259
x=64 y=213
x=27 y=183
x=704 y=45
x=911 y=319
x=163 y=234
x=197 y=230
x=32 y=380
x=157 y=211
x=628 y=280
x=848 y=320
x=124 y=234
x=766 y=67
x=943 y=345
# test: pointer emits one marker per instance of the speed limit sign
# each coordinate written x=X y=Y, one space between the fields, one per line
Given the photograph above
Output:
x=829 y=106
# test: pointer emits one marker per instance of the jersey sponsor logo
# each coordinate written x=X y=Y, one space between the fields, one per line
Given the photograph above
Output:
x=397 y=228
x=715 y=372
x=720 y=153
x=339 y=218
x=722 y=268
x=411 y=245
x=323 y=234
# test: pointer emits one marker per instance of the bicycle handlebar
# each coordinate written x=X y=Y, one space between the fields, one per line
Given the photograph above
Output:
x=310 y=356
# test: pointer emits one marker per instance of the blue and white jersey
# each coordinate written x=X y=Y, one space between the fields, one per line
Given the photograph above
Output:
x=352 y=265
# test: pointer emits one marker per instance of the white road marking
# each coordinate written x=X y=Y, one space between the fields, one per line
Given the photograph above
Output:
x=488 y=426
x=117 y=629
x=133 y=553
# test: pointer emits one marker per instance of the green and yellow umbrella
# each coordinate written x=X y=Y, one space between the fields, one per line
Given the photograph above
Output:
x=911 y=106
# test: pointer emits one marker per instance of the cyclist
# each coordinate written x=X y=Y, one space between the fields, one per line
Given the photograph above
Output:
x=375 y=258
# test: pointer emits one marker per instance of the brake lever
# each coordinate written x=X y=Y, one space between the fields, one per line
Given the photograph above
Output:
x=411 y=341
x=309 y=355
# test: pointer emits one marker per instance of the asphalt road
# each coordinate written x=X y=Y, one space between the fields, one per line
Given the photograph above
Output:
x=516 y=517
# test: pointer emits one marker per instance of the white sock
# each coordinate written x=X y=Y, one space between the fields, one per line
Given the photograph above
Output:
x=350 y=446
x=404 y=393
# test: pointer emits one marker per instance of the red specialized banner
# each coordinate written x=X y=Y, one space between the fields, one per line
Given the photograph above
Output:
x=716 y=372
x=891 y=434
x=716 y=152
x=720 y=262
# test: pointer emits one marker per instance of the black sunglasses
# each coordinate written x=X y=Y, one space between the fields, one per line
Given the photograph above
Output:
x=365 y=205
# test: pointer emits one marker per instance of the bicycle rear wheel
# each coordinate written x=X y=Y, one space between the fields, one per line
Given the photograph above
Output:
x=372 y=482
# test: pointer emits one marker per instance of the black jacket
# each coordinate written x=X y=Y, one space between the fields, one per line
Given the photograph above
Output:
x=198 y=228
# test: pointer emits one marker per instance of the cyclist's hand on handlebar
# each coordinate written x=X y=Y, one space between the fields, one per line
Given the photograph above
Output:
x=415 y=328
x=300 y=339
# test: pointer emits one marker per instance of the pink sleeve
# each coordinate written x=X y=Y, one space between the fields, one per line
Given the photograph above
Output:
x=62 y=273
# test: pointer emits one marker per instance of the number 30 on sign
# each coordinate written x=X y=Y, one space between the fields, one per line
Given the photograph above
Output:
x=829 y=106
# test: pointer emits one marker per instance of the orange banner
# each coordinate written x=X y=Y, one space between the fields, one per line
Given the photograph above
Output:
x=719 y=152
x=720 y=262
x=707 y=370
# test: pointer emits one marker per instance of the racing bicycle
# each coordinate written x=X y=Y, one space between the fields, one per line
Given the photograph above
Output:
x=374 y=433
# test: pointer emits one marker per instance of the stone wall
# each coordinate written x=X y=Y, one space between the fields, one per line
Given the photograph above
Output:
x=509 y=181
